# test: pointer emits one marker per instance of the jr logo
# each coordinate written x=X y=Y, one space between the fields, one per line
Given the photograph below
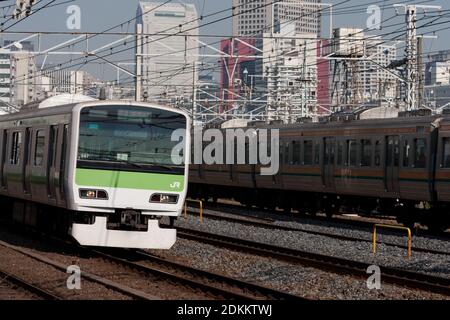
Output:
x=175 y=185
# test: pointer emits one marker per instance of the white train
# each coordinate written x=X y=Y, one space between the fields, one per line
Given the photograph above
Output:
x=103 y=171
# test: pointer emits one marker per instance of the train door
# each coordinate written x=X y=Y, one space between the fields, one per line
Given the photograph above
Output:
x=392 y=164
x=37 y=166
x=52 y=167
x=60 y=164
x=329 y=151
x=26 y=168
x=3 y=151
x=233 y=167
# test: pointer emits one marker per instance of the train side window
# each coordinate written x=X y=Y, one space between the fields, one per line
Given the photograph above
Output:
x=295 y=152
x=340 y=153
x=286 y=152
x=308 y=152
x=316 y=152
x=39 y=149
x=420 y=156
x=446 y=153
x=366 y=153
x=351 y=153
x=396 y=151
x=406 y=153
x=16 y=146
x=329 y=151
x=377 y=157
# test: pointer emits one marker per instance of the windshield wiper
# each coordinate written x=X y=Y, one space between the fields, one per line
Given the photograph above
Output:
x=134 y=164
x=162 y=166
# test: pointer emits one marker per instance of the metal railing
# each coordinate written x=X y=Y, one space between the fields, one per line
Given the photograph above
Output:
x=200 y=205
x=390 y=227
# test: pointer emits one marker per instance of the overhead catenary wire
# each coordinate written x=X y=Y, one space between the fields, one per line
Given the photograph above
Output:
x=170 y=35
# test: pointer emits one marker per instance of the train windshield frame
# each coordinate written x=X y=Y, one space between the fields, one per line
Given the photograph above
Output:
x=129 y=138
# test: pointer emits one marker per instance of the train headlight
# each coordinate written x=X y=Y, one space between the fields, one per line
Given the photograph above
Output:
x=164 y=198
x=93 y=194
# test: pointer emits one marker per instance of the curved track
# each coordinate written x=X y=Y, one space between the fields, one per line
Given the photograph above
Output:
x=28 y=286
x=135 y=294
x=360 y=221
x=339 y=265
x=269 y=224
x=213 y=283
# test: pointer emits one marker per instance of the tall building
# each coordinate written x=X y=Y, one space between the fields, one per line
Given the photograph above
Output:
x=291 y=70
x=323 y=77
x=5 y=75
x=25 y=78
x=168 y=62
x=252 y=17
x=68 y=81
x=378 y=82
x=237 y=74
x=360 y=74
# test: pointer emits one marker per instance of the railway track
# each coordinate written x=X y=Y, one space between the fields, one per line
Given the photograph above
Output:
x=272 y=216
x=214 y=283
x=125 y=290
x=270 y=224
x=405 y=278
x=204 y=282
x=28 y=286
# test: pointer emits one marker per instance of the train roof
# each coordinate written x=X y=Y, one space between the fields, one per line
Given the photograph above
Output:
x=68 y=108
x=388 y=122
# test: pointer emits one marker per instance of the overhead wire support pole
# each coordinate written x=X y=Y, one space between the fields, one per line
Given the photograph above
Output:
x=194 y=92
x=138 y=79
x=411 y=51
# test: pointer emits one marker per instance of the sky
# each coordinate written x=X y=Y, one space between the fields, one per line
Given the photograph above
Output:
x=98 y=15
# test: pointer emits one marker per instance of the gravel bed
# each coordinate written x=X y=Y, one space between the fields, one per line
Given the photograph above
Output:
x=303 y=281
x=10 y=291
x=355 y=250
x=50 y=278
x=341 y=228
x=33 y=269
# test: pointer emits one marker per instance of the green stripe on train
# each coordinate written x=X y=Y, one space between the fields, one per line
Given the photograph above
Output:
x=129 y=180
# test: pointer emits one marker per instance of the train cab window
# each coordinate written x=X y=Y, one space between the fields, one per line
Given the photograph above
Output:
x=420 y=156
x=446 y=153
x=308 y=153
x=366 y=153
x=295 y=152
x=316 y=152
x=406 y=153
x=340 y=153
x=377 y=157
x=16 y=146
x=39 y=149
x=351 y=153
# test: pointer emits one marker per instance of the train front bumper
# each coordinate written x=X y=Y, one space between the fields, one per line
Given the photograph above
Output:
x=97 y=234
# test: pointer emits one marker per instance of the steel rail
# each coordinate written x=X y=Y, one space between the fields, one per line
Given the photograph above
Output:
x=250 y=292
x=28 y=286
x=252 y=221
x=392 y=275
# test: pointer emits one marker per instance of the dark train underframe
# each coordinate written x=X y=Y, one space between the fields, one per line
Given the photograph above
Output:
x=407 y=212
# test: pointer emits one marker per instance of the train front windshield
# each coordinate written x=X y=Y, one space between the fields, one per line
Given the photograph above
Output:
x=129 y=138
